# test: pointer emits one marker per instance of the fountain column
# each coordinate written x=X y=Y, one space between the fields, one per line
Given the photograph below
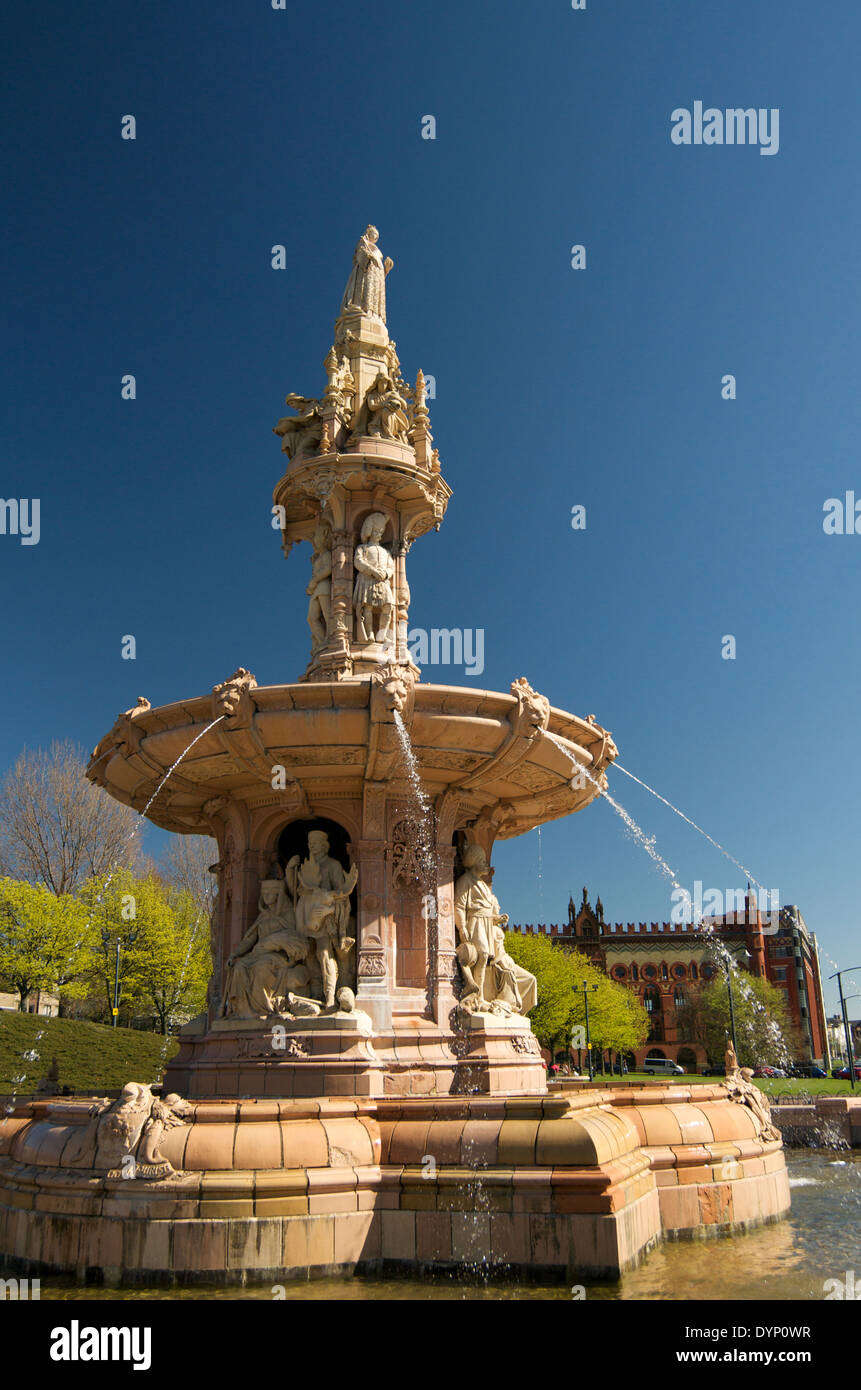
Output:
x=373 y=971
x=444 y=960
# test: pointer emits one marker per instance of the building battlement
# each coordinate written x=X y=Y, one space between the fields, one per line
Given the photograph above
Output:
x=664 y=963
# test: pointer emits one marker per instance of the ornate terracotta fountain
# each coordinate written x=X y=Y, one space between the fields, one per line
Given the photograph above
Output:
x=366 y=1048
x=363 y=482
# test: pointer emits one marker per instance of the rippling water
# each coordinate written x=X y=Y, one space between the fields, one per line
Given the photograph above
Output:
x=790 y=1260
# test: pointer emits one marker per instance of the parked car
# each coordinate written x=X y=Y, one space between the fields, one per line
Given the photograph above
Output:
x=764 y=1071
x=662 y=1066
x=714 y=1071
x=843 y=1074
x=620 y=1070
x=808 y=1069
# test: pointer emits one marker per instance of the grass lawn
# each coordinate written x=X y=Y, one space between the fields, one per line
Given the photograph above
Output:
x=92 y=1058
x=774 y=1086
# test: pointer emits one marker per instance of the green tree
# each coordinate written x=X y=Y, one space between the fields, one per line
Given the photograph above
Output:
x=163 y=938
x=56 y=827
x=763 y=1030
x=551 y=1017
x=114 y=908
x=617 y=1020
x=171 y=961
x=44 y=939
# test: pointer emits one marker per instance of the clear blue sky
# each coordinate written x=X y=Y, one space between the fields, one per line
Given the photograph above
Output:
x=554 y=387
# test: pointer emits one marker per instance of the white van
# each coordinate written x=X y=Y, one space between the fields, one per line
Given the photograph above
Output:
x=662 y=1066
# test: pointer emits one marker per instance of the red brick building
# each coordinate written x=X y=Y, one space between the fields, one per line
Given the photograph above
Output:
x=666 y=963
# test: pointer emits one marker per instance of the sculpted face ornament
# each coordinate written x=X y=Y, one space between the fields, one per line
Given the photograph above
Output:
x=231 y=699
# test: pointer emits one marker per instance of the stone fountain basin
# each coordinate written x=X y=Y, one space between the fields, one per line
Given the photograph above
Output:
x=583 y=1183
x=336 y=735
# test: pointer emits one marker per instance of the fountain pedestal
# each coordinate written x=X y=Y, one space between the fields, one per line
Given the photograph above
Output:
x=582 y=1186
x=487 y=1056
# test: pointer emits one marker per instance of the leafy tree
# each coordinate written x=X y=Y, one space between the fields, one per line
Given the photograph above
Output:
x=44 y=939
x=764 y=1034
x=186 y=865
x=551 y=967
x=617 y=1020
x=114 y=907
x=57 y=828
x=163 y=938
x=171 y=961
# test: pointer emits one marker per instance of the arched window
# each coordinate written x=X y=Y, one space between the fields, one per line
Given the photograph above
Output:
x=634 y=973
x=652 y=1005
x=652 y=999
x=665 y=974
x=694 y=975
x=679 y=997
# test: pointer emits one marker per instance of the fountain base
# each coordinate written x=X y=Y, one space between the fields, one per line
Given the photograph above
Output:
x=582 y=1185
x=341 y=1055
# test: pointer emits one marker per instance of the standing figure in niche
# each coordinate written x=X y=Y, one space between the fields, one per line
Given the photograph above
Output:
x=323 y=912
x=374 y=587
x=319 y=590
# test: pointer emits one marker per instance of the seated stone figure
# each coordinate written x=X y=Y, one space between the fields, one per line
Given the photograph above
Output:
x=494 y=982
x=513 y=985
x=268 y=962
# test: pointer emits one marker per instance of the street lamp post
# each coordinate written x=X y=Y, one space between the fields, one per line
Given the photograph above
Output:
x=106 y=936
x=846 y=999
x=847 y=1031
x=588 y=1036
x=728 y=969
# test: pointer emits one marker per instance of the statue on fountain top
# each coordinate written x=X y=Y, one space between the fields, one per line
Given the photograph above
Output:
x=366 y=287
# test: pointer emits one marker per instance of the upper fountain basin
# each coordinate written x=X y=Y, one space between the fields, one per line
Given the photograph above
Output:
x=316 y=740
